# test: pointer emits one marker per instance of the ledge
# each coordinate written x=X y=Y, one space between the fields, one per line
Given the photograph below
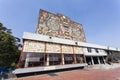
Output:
x=46 y=68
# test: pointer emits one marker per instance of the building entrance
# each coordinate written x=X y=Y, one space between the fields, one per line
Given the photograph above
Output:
x=95 y=59
x=88 y=60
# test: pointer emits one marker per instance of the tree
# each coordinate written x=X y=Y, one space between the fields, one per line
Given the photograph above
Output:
x=9 y=47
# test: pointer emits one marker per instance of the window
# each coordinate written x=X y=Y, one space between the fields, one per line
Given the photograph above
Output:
x=54 y=59
x=33 y=64
x=22 y=61
x=79 y=58
x=96 y=50
x=89 y=49
x=69 y=58
x=36 y=59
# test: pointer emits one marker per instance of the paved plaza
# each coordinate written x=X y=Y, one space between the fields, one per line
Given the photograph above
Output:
x=79 y=74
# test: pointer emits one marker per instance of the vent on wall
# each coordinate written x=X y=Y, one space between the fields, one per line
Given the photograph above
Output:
x=76 y=43
x=50 y=37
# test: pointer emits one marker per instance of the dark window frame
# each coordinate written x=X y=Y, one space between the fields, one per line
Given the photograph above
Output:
x=89 y=49
x=54 y=59
x=41 y=61
x=96 y=50
x=69 y=58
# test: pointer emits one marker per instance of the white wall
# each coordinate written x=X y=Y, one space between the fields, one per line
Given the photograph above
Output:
x=94 y=53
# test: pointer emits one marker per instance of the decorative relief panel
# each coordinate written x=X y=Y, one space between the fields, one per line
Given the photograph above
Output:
x=78 y=50
x=33 y=46
x=52 y=48
x=57 y=25
x=67 y=49
x=53 y=23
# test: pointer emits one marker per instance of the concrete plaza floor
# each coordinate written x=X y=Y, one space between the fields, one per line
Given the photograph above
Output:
x=78 y=74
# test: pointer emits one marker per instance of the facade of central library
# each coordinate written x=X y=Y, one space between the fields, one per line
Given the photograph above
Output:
x=39 y=50
x=58 y=43
x=44 y=54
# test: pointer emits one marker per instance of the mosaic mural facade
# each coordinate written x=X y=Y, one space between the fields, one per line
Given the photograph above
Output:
x=57 y=25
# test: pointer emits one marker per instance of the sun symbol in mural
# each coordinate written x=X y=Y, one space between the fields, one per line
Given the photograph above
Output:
x=53 y=23
x=76 y=32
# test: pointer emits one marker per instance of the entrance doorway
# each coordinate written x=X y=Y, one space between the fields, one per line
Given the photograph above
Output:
x=88 y=60
x=101 y=60
x=95 y=59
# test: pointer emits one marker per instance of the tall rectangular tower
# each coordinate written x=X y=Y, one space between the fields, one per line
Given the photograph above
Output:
x=57 y=25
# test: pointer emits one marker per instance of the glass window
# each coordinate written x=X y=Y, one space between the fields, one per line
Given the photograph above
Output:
x=89 y=49
x=36 y=59
x=69 y=58
x=54 y=59
x=33 y=64
x=22 y=61
x=96 y=50
x=79 y=58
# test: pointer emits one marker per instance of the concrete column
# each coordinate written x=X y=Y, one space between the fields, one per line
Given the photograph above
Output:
x=84 y=59
x=98 y=60
x=27 y=60
x=104 y=60
x=92 y=60
x=47 y=63
x=63 y=61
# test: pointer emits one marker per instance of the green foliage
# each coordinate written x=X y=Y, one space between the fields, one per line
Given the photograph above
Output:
x=13 y=64
x=9 y=47
x=109 y=58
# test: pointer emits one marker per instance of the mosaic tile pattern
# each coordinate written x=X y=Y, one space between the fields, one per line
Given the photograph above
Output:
x=37 y=46
x=57 y=25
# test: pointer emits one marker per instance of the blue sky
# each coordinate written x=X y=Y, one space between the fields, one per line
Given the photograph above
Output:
x=100 y=18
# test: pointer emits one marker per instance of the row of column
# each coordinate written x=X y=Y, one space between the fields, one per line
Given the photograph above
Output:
x=47 y=62
x=98 y=58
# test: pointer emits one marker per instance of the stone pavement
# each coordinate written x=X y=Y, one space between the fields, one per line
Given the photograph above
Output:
x=103 y=66
x=79 y=74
